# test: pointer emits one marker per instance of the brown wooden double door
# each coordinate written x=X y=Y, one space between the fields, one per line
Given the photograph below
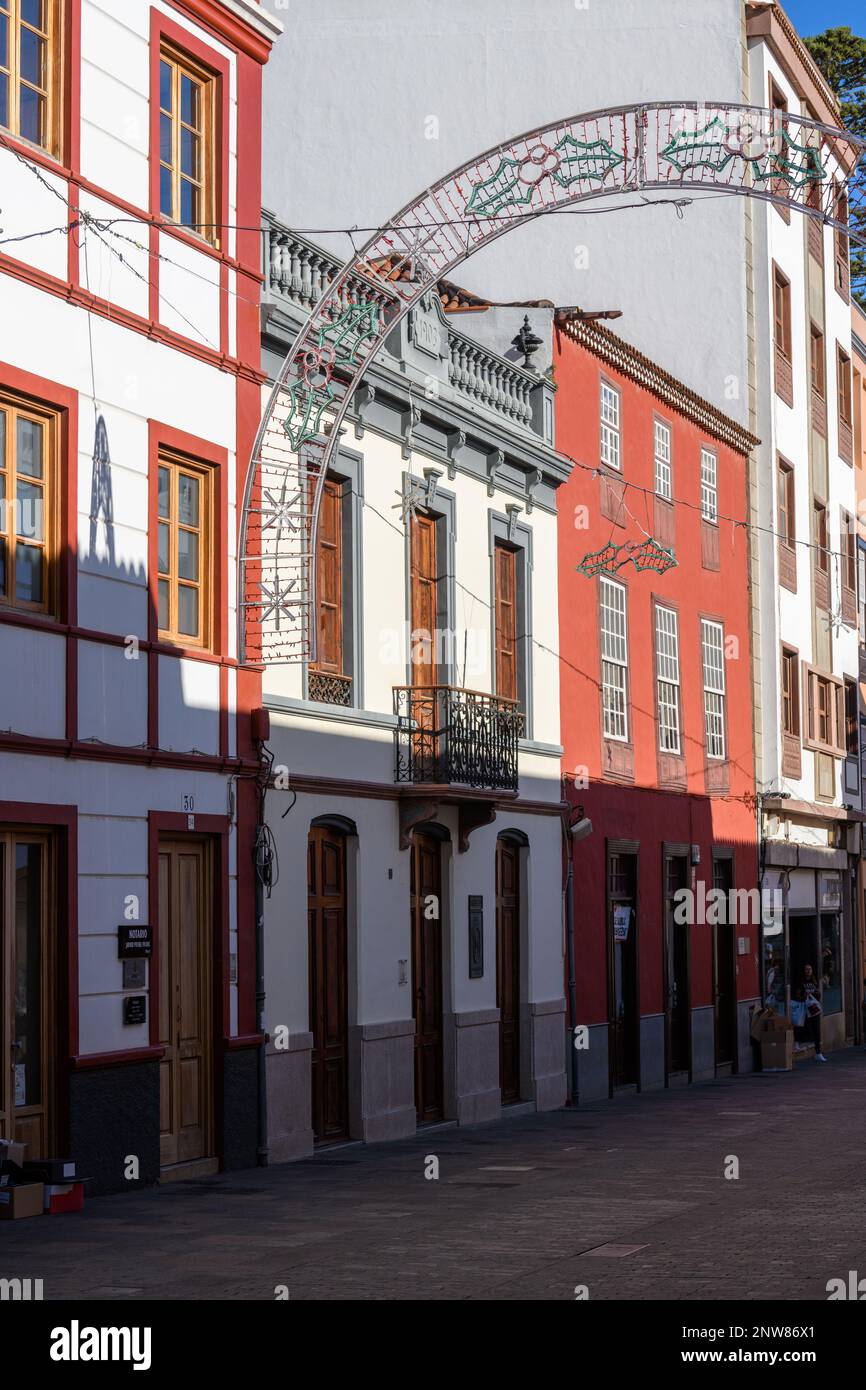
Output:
x=426 y=901
x=328 y=964
x=27 y=1037
x=508 y=967
x=185 y=1001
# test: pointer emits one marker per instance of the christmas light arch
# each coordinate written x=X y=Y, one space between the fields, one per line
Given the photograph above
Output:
x=665 y=147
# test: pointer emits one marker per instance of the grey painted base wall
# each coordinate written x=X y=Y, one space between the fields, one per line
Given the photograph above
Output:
x=548 y=1076
x=240 y=1119
x=290 y=1130
x=471 y=1060
x=652 y=1052
x=382 y=1080
x=703 y=1043
x=593 y=1069
x=113 y=1115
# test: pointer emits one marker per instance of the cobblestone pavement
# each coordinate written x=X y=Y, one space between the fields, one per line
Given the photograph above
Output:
x=518 y=1211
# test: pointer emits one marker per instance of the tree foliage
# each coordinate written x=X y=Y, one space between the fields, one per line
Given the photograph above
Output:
x=841 y=56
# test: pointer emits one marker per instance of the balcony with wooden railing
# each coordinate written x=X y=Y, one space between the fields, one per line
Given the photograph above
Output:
x=447 y=736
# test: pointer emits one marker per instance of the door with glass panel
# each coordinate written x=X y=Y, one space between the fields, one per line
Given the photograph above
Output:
x=26 y=1041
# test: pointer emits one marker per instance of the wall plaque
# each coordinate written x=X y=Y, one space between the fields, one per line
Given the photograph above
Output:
x=476 y=936
x=135 y=973
x=135 y=1008
x=134 y=939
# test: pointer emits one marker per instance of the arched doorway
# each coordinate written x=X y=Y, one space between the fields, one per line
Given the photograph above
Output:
x=327 y=924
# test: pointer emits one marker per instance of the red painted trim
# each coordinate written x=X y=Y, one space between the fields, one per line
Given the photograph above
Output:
x=85 y=1060
x=65 y=289
x=64 y=819
x=229 y=28
x=70 y=144
x=120 y=753
x=248 y=1040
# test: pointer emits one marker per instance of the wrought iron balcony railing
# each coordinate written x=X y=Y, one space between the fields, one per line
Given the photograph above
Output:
x=448 y=736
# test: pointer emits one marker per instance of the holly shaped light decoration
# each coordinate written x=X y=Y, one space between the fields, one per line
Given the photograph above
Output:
x=335 y=344
x=773 y=154
x=648 y=554
x=567 y=162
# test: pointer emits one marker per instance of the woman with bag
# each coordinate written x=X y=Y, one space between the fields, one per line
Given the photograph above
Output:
x=809 y=994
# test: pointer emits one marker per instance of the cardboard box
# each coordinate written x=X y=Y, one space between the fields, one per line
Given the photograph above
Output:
x=61 y=1198
x=776 y=1024
x=11 y=1152
x=777 y=1050
x=50 y=1170
x=24 y=1199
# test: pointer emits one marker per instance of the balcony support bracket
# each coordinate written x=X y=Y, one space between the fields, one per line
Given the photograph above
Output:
x=471 y=815
x=413 y=811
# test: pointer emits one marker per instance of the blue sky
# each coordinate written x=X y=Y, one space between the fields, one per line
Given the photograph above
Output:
x=814 y=16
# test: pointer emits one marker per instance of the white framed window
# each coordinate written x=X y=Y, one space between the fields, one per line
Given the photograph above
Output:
x=709 y=486
x=610 y=436
x=668 y=679
x=713 y=658
x=663 y=459
x=614 y=660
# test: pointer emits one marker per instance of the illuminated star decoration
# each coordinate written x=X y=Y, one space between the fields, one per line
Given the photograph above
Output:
x=410 y=501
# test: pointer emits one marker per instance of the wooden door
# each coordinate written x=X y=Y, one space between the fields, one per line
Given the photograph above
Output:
x=328 y=967
x=622 y=979
x=426 y=899
x=185 y=1002
x=27 y=1039
x=508 y=967
x=724 y=969
x=506 y=622
x=678 y=1008
x=424 y=590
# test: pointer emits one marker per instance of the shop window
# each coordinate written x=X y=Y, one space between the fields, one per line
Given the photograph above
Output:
x=831 y=964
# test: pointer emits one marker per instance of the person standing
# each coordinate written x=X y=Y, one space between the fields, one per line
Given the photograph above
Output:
x=810 y=993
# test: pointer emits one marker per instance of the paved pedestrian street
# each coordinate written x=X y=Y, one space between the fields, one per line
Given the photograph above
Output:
x=628 y=1198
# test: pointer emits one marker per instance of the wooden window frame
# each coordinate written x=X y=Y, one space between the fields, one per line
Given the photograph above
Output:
x=615 y=429
x=501 y=547
x=183 y=64
x=14 y=406
x=813 y=681
x=658 y=459
x=332 y=487
x=841 y=254
x=852 y=718
x=711 y=690
x=711 y=515
x=783 y=373
x=621 y=665
x=790 y=690
x=787 y=523
x=52 y=90
x=206 y=584
x=819 y=385
x=663 y=680
x=779 y=102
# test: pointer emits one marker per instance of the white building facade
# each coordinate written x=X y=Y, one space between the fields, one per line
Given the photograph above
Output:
x=414 y=938
x=129 y=398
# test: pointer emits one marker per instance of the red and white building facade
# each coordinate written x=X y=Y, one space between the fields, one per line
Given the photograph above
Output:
x=656 y=720
x=130 y=393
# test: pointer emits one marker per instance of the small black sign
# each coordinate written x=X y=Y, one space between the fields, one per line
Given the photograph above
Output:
x=135 y=973
x=135 y=1008
x=134 y=939
x=476 y=936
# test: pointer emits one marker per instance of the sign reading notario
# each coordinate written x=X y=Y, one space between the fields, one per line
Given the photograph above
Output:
x=134 y=939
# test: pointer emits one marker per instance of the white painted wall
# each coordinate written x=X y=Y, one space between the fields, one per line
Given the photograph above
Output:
x=356 y=90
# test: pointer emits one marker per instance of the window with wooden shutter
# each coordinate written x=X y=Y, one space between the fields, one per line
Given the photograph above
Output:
x=843 y=390
x=852 y=742
x=424 y=595
x=825 y=713
x=791 y=756
x=784 y=377
x=848 y=548
x=507 y=685
x=328 y=681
